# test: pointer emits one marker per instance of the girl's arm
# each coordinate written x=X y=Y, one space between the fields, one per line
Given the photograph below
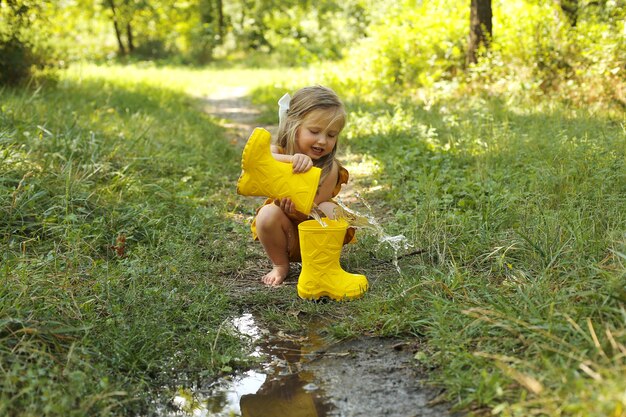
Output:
x=300 y=162
x=325 y=190
x=279 y=156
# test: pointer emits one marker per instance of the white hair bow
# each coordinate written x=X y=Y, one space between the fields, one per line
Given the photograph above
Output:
x=283 y=106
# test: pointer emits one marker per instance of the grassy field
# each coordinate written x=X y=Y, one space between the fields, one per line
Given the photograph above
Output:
x=521 y=210
x=119 y=219
x=115 y=233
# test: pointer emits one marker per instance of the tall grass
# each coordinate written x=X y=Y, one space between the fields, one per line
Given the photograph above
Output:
x=520 y=207
x=523 y=217
x=115 y=191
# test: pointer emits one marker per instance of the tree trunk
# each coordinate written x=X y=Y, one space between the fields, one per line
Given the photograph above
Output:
x=220 y=20
x=481 y=29
x=118 y=34
x=129 y=37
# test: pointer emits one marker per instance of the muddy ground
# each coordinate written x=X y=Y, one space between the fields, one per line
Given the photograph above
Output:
x=306 y=377
x=376 y=377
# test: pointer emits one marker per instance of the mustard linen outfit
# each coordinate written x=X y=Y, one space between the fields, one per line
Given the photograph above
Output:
x=297 y=217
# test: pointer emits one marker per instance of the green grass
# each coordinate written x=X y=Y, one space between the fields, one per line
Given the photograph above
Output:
x=519 y=206
x=521 y=209
x=115 y=197
x=523 y=217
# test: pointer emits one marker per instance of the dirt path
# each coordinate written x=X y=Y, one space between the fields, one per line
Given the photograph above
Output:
x=301 y=376
x=233 y=107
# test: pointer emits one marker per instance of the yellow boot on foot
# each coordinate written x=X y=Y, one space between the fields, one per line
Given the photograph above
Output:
x=264 y=176
x=321 y=273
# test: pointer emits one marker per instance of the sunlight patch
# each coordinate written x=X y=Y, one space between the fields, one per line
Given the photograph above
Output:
x=361 y=165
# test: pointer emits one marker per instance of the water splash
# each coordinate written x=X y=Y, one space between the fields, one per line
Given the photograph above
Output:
x=318 y=215
x=370 y=223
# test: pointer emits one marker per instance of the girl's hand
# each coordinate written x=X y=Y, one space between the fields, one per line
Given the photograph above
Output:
x=286 y=205
x=301 y=163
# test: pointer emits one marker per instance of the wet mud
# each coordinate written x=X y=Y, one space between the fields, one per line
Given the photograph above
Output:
x=308 y=376
x=376 y=377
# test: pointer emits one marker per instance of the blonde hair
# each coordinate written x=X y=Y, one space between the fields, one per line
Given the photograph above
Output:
x=302 y=103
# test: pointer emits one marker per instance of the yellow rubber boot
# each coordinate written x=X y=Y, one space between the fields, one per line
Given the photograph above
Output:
x=321 y=273
x=262 y=175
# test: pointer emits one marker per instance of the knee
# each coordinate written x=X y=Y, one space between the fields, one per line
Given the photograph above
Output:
x=269 y=217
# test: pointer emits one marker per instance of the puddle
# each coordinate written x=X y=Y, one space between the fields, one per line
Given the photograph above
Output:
x=308 y=377
x=280 y=387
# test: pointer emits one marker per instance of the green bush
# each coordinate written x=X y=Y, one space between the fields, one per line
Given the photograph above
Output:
x=537 y=52
x=23 y=43
x=15 y=61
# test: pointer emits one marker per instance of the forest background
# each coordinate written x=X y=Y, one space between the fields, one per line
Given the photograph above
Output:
x=498 y=148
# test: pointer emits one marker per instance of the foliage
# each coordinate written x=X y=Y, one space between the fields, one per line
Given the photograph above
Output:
x=535 y=52
x=396 y=46
x=163 y=29
x=23 y=40
x=411 y=45
x=542 y=54
x=296 y=32
x=194 y=32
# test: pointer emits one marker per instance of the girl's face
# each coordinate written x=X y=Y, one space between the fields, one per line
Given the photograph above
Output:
x=317 y=135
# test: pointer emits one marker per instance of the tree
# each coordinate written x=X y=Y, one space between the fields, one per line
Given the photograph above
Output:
x=220 y=20
x=116 y=26
x=119 y=16
x=481 y=29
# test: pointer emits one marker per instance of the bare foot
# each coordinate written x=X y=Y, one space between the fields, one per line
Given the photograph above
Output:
x=276 y=276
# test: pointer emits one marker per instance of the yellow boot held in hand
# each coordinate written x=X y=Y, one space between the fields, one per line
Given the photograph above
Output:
x=264 y=176
x=321 y=273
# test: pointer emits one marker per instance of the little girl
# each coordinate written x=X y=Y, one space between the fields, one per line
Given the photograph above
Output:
x=307 y=137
